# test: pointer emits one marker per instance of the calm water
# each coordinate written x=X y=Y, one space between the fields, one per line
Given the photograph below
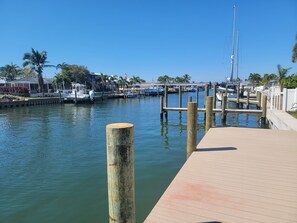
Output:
x=53 y=158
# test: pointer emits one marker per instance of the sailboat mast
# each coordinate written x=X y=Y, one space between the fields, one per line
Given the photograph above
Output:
x=233 y=36
x=237 y=53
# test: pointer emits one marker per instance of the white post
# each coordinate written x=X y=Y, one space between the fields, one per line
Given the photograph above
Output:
x=285 y=99
x=295 y=97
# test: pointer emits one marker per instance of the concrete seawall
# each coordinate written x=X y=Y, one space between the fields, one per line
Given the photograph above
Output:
x=281 y=120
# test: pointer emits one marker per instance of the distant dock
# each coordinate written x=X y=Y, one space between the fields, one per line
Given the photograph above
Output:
x=236 y=175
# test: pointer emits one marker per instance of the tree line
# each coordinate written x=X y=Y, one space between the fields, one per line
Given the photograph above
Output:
x=35 y=62
x=282 y=77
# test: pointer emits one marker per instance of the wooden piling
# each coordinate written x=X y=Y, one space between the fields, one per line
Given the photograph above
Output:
x=206 y=93
x=209 y=113
x=237 y=95
x=180 y=96
x=161 y=107
x=264 y=108
x=226 y=91
x=214 y=95
x=197 y=95
x=248 y=99
x=75 y=99
x=259 y=97
x=120 y=172
x=224 y=105
x=166 y=100
x=191 y=128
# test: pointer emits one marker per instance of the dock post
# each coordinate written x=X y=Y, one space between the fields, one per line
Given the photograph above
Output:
x=166 y=100
x=75 y=100
x=259 y=97
x=180 y=97
x=189 y=99
x=214 y=95
x=264 y=109
x=161 y=107
x=237 y=95
x=206 y=93
x=197 y=95
x=226 y=91
x=224 y=105
x=120 y=172
x=248 y=99
x=191 y=128
x=209 y=110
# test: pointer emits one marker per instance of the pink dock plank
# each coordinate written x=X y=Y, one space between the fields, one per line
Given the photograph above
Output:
x=236 y=175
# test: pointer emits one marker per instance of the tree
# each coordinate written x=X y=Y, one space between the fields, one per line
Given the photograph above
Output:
x=282 y=73
x=165 y=79
x=37 y=61
x=73 y=74
x=254 y=79
x=27 y=72
x=294 y=53
x=10 y=72
x=267 y=78
x=136 y=80
x=102 y=80
x=186 y=78
x=290 y=81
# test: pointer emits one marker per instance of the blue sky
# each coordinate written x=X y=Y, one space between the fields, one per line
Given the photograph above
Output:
x=153 y=37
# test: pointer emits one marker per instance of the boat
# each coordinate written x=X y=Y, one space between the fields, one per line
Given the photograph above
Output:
x=79 y=94
x=231 y=84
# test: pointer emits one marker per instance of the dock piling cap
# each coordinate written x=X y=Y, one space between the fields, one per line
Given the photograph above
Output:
x=119 y=126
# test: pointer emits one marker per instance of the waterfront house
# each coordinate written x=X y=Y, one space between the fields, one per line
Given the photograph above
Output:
x=32 y=84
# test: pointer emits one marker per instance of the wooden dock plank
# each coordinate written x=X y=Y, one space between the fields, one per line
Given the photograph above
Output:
x=236 y=175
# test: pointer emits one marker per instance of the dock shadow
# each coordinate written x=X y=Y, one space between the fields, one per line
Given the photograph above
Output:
x=217 y=149
x=211 y=222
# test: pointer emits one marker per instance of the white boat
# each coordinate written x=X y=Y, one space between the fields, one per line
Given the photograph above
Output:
x=223 y=89
x=230 y=81
x=79 y=94
x=219 y=96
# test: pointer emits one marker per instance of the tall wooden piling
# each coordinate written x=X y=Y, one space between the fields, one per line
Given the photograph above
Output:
x=206 y=93
x=237 y=95
x=197 y=95
x=224 y=105
x=259 y=97
x=75 y=98
x=166 y=100
x=209 y=113
x=191 y=128
x=120 y=172
x=180 y=97
x=226 y=91
x=161 y=107
x=248 y=99
x=264 y=109
x=214 y=95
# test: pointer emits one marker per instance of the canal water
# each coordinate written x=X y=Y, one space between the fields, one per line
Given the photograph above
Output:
x=53 y=158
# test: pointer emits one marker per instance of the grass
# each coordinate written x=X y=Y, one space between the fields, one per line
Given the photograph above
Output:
x=294 y=114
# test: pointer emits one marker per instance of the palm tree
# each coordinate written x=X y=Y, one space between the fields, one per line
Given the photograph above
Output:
x=255 y=79
x=282 y=73
x=136 y=80
x=37 y=62
x=10 y=72
x=294 y=54
x=186 y=78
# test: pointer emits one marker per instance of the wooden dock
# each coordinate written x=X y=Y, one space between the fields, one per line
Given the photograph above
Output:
x=236 y=175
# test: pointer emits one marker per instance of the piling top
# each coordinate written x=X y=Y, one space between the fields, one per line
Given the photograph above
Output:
x=119 y=126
